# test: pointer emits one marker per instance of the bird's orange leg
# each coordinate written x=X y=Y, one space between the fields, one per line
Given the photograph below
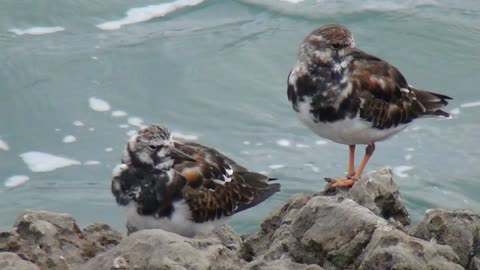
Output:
x=351 y=161
x=352 y=178
x=368 y=153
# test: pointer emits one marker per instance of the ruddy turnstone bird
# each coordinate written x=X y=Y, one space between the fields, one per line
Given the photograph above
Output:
x=182 y=187
x=351 y=97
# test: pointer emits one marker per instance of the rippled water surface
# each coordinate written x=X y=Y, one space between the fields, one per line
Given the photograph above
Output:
x=77 y=77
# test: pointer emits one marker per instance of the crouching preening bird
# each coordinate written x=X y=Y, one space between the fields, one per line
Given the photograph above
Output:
x=182 y=187
x=351 y=97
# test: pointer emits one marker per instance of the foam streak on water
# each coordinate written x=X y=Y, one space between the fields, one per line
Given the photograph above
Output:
x=69 y=139
x=16 y=180
x=188 y=137
x=470 y=104
x=38 y=30
x=143 y=14
x=98 y=104
x=400 y=171
x=44 y=162
x=4 y=145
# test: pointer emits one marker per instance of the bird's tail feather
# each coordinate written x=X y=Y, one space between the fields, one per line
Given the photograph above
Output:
x=433 y=103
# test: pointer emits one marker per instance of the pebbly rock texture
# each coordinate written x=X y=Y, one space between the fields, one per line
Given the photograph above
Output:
x=460 y=229
x=158 y=249
x=364 y=228
x=54 y=241
x=11 y=261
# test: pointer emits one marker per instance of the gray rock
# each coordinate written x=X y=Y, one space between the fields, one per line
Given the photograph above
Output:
x=332 y=229
x=54 y=241
x=362 y=228
x=460 y=229
x=11 y=261
x=158 y=249
x=104 y=236
x=390 y=248
x=378 y=192
x=272 y=240
x=280 y=264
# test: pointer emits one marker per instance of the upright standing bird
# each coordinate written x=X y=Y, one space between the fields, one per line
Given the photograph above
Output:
x=182 y=187
x=351 y=97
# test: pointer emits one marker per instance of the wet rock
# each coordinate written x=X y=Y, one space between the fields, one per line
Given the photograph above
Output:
x=158 y=249
x=11 y=261
x=460 y=229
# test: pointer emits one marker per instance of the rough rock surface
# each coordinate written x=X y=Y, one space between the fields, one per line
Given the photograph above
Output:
x=11 y=261
x=460 y=229
x=54 y=241
x=157 y=249
x=363 y=228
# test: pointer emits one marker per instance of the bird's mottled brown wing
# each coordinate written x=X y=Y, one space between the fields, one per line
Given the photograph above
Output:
x=215 y=186
x=387 y=98
x=245 y=190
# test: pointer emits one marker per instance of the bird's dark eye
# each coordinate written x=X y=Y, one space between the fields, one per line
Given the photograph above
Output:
x=152 y=146
x=336 y=45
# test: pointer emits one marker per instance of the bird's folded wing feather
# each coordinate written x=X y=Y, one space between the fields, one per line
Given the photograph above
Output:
x=388 y=100
x=216 y=186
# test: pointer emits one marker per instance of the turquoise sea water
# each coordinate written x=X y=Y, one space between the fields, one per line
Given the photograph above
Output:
x=215 y=71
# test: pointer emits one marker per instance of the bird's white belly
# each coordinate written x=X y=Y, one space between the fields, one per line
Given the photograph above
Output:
x=347 y=131
x=180 y=221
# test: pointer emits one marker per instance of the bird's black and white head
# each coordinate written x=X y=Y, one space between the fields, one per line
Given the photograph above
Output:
x=149 y=147
x=327 y=43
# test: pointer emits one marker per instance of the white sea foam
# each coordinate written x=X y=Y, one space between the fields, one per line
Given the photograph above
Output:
x=91 y=162
x=188 y=137
x=38 y=30
x=143 y=14
x=123 y=126
x=16 y=180
x=108 y=149
x=91 y=129
x=293 y=1
x=246 y=142
x=259 y=144
x=408 y=157
x=98 y=104
x=131 y=132
x=276 y=166
x=400 y=171
x=69 y=139
x=410 y=149
x=44 y=162
x=301 y=145
x=94 y=58
x=119 y=113
x=470 y=104
x=321 y=142
x=58 y=129
x=78 y=123
x=320 y=8
x=4 y=145
x=284 y=142
x=135 y=121
x=455 y=111
x=313 y=167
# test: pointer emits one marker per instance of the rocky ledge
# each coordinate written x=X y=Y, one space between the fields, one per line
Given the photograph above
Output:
x=366 y=227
